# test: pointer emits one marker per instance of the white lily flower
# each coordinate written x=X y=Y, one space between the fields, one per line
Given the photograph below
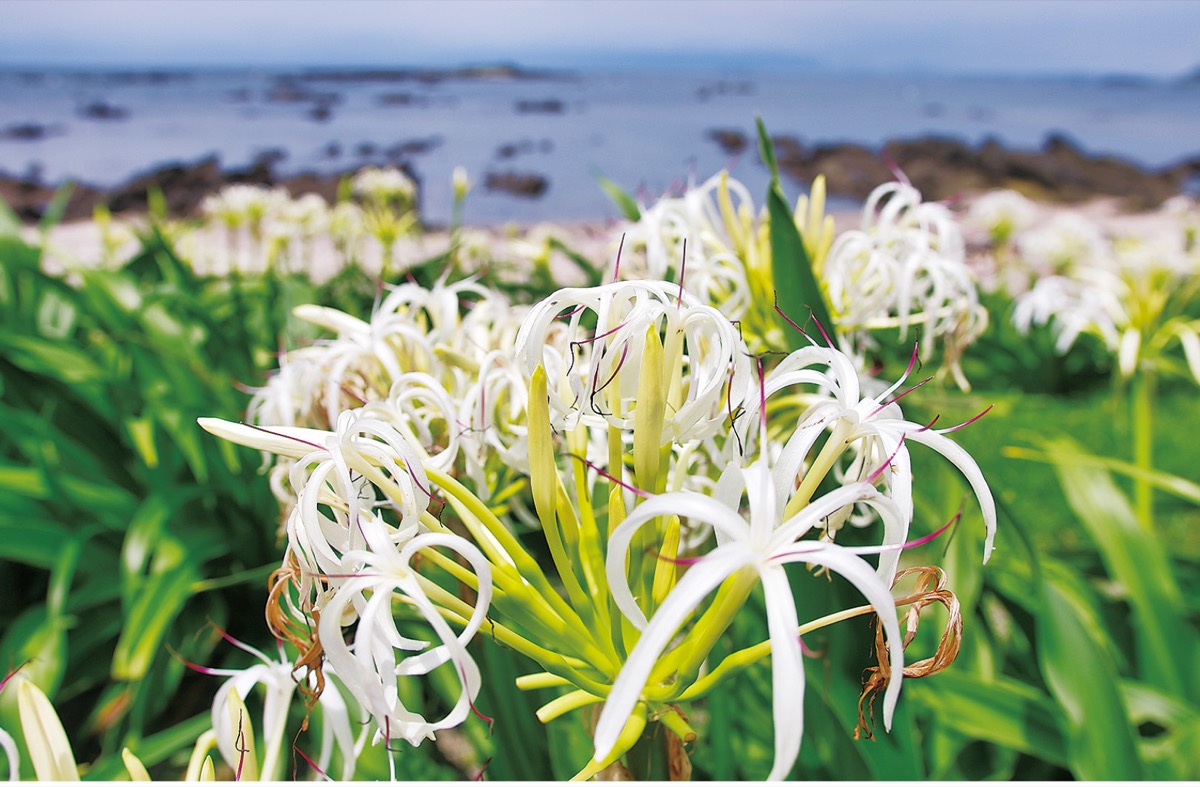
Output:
x=873 y=429
x=277 y=677
x=763 y=545
x=47 y=742
x=700 y=344
x=369 y=671
x=906 y=265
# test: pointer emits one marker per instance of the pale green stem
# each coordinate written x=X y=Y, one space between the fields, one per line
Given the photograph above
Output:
x=1142 y=425
x=566 y=703
x=540 y=680
x=739 y=660
x=459 y=612
x=819 y=468
x=685 y=659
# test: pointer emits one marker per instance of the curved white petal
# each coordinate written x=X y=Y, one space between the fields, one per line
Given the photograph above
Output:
x=787 y=670
x=700 y=580
x=863 y=577
x=724 y=520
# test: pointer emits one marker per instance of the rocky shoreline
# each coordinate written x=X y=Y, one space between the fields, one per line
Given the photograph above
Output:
x=942 y=168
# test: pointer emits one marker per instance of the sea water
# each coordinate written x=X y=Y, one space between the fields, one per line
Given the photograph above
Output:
x=648 y=132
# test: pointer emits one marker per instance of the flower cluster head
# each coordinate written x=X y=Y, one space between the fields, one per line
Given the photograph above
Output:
x=905 y=266
x=672 y=468
x=1134 y=291
x=385 y=187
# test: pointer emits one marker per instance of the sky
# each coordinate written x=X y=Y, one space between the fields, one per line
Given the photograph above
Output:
x=1146 y=37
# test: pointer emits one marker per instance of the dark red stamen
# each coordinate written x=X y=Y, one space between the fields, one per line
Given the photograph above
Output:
x=239 y=745
x=352 y=394
x=970 y=421
x=13 y=672
x=311 y=764
x=682 y=271
x=790 y=321
x=677 y=561
x=879 y=471
x=610 y=477
x=620 y=364
x=926 y=539
x=809 y=652
x=616 y=276
x=899 y=396
x=894 y=167
x=821 y=328
x=482 y=768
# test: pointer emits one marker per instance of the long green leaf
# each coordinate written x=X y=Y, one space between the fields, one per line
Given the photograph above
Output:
x=151 y=614
x=1073 y=654
x=796 y=287
x=627 y=204
x=1140 y=564
x=1005 y=711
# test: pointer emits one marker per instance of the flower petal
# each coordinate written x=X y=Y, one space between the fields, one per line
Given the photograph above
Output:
x=700 y=580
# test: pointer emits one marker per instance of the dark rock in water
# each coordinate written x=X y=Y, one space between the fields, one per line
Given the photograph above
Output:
x=269 y=157
x=101 y=110
x=401 y=100
x=549 y=106
x=513 y=149
x=28 y=132
x=366 y=149
x=412 y=147
x=730 y=140
x=500 y=72
x=723 y=88
x=519 y=184
x=332 y=150
x=320 y=113
x=183 y=185
x=942 y=168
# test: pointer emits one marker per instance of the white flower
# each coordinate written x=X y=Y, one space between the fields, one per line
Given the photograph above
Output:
x=1002 y=213
x=369 y=670
x=278 y=679
x=872 y=428
x=905 y=266
x=384 y=185
x=763 y=545
x=14 y=758
x=699 y=345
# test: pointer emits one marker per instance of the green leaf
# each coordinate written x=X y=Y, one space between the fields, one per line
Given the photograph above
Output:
x=627 y=204
x=154 y=749
x=146 y=624
x=57 y=206
x=34 y=543
x=796 y=287
x=1005 y=711
x=53 y=359
x=1138 y=561
x=10 y=224
x=1079 y=671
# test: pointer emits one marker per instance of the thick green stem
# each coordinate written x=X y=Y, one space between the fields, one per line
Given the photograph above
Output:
x=1141 y=395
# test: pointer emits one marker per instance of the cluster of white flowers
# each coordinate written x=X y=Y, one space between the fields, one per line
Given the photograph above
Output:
x=1132 y=290
x=250 y=228
x=905 y=265
x=383 y=186
x=442 y=384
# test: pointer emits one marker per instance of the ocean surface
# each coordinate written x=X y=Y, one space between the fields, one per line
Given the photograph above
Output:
x=648 y=132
